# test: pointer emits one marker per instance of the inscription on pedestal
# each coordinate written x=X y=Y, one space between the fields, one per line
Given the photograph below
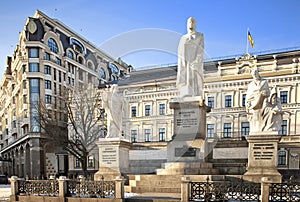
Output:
x=186 y=121
x=185 y=152
x=109 y=156
x=263 y=151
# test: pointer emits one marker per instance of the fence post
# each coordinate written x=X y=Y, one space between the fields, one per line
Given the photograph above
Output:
x=265 y=189
x=185 y=190
x=62 y=186
x=119 y=187
x=14 y=188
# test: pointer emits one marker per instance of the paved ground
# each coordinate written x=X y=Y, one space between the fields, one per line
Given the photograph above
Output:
x=4 y=192
x=130 y=197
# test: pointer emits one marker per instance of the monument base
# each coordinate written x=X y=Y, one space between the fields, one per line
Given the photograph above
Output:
x=113 y=158
x=262 y=158
x=186 y=151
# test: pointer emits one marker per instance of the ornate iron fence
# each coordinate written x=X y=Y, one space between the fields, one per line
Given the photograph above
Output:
x=92 y=189
x=285 y=191
x=38 y=187
x=224 y=191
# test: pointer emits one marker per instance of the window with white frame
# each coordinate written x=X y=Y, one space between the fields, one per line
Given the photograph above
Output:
x=91 y=161
x=282 y=154
x=133 y=135
x=147 y=135
x=228 y=101
x=245 y=128
x=227 y=130
x=147 y=110
x=133 y=111
x=77 y=163
x=210 y=130
x=283 y=129
x=162 y=134
x=284 y=97
x=211 y=102
x=244 y=99
x=33 y=52
x=162 y=109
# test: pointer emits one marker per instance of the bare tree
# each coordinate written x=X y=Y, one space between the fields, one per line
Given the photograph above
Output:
x=80 y=128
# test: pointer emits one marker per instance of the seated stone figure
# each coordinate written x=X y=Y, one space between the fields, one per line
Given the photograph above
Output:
x=272 y=114
x=264 y=112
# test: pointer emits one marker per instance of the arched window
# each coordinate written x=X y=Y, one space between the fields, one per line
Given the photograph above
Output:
x=282 y=157
x=114 y=68
x=52 y=45
x=77 y=45
x=80 y=60
x=102 y=73
x=70 y=54
x=90 y=65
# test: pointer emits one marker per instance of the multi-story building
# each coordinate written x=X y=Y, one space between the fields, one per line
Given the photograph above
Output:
x=148 y=120
x=49 y=58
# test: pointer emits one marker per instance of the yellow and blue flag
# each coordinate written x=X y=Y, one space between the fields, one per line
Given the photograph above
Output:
x=250 y=40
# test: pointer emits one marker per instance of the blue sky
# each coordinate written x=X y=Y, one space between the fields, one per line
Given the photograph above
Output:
x=274 y=24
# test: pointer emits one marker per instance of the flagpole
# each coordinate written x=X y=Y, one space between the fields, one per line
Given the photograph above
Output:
x=247 y=50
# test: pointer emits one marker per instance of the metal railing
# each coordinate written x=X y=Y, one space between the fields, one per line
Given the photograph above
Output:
x=38 y=187
x=224 y=191
x=91 y=189
x=285 y=191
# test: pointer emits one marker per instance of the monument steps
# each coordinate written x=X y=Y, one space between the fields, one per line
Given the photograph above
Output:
x=187 y=168
x=163 y=183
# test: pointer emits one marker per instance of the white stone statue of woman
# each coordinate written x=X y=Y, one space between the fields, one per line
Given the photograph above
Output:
x=113 y=104
x=258 y=91
x=190 y=62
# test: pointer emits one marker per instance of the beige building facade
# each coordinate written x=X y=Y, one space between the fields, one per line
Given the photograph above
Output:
x=49 y=59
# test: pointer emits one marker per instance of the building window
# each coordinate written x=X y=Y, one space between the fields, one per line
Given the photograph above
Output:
x=227 y=130
x=133 y=135
x=162 y=134
x=24 y=99
x=245 y=128
x=91 y=162
x=77 y=163
x=64 y=76
x=24 y=84
x=47 y=84
x=34 y=67
x=133 y=111
x=244 y=100
x=54 y=74
x=46 y=56
x=70 y=54
x=283 y=129
x=283 y=96
x=58 y=61
x=47 y=69
x=33 y=52
x=48 y=99
x=162 y=109
x=73 y=81
x=210 y=130
x=52 y=45
x=147 y=135
x=282 y=158
x=147 y=110
x=211 y=102
x=59 y=76
x=228 y=101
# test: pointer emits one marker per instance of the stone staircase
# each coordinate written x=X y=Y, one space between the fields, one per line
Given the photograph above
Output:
x=187 y=168
x=159 y=183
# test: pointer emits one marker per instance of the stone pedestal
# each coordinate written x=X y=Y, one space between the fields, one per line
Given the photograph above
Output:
x=262 y=158
x=188 y=141
x=188 y=144
x=113 y=158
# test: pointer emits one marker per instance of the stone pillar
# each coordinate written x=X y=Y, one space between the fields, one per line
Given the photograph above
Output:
x=14 y=188
x=262 y=158
x=185 y=190
x=62 y=186
x=113 y=158
x=265 y=189
x=119 y=184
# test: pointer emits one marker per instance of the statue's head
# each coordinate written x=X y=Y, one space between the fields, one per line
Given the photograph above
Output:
x=114 y=88
x=255 y=74
x=191 y=25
